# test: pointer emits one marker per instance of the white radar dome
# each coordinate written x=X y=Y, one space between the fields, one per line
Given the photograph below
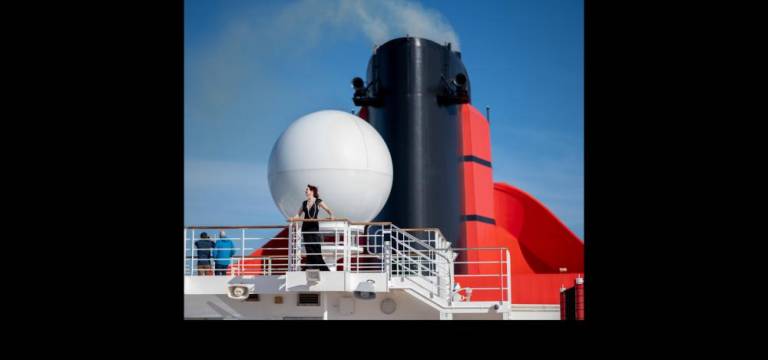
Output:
x=341 y=154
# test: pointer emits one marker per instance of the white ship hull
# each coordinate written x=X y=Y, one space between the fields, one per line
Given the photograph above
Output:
x=205 y=299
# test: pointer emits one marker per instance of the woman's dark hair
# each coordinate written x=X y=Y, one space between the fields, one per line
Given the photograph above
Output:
x=314 y=190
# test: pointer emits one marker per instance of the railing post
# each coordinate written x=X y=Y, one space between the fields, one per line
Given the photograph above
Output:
x=387 y=259
x=433 y=236
x=396 y=270
x=347 y=242
x=450 y=276
x=290 y=247
x=242 y=246
x=297 y=249
x=501 y=279
x=509 y=277
x=450 y=266
x=401 y=255
x=297 y=235
x=296 y=258
x=437 y=281
x=335 y=246
x=291 y=239
x=185 y=250
x=192 y=264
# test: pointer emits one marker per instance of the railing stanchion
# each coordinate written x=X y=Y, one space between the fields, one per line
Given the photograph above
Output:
x=406 y=253
x=501 y=279
x=335 y=247
x=347 y=243
x=386 y=258
x=185 y=251
x=192 y=265
x=509 y=278
x=289 y=261
x=242 y=246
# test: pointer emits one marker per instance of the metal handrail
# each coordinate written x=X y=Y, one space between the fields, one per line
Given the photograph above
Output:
x=400 y=251
x=370 y=223
x=503 y=273
x=317 y=220
x=430 y=250
x=236 y=227
x=407 y=267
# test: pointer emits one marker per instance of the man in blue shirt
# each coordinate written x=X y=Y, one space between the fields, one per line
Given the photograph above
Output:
x=223 y=253
x=204 y=246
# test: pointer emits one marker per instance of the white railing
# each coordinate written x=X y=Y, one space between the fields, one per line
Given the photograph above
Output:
x=350 y=249
x=405 y=254
x=490 y=265
x=494 y=270
x=362 y=253
x=247 y=240
x=423 y=258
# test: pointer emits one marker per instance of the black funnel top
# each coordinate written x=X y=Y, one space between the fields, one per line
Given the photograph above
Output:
x=414 y=82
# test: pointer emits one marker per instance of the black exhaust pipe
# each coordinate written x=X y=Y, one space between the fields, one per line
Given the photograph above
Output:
x=414 y=88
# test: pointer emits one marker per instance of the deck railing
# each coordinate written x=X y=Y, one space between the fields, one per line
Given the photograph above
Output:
x=354 y=247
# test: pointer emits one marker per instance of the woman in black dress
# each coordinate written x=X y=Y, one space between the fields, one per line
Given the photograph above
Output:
x=310 y=208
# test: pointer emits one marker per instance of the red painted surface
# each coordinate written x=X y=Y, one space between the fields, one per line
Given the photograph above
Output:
x=477 y=194
x=478 y=189
x=544 y=239
x=529 y=286
x=363 y=113
x=539 y=243
x=562 y=304
x=479 y=234
x=579 y=301
x=254 y=266
x=475 y=132
x=539 y=288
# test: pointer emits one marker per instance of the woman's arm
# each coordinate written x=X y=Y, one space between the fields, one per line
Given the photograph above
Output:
x=327 y=209
x=301 y=210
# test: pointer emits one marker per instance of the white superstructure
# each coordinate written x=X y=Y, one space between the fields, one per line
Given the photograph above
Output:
x=381 y=272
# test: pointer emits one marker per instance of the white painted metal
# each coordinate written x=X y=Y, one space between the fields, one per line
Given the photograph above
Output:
x=355 y=174
x=185 y=251
x=192 y=262
x=423 y=269
x=509 y=277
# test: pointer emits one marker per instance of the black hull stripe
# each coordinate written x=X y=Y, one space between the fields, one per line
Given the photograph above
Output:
x=479 y=218
x=477 y=160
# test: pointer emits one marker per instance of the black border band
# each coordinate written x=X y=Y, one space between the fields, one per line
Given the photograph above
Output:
x=479 y=218
x=477 y=160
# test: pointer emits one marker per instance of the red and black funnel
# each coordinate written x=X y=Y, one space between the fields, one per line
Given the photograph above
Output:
x=412 y=92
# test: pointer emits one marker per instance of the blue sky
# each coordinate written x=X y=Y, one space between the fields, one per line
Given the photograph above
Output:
x=252 y=67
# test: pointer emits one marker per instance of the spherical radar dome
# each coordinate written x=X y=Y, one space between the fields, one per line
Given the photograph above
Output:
x=341 y=154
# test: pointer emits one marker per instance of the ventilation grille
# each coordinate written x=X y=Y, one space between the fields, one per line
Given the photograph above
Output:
x=309 y=300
